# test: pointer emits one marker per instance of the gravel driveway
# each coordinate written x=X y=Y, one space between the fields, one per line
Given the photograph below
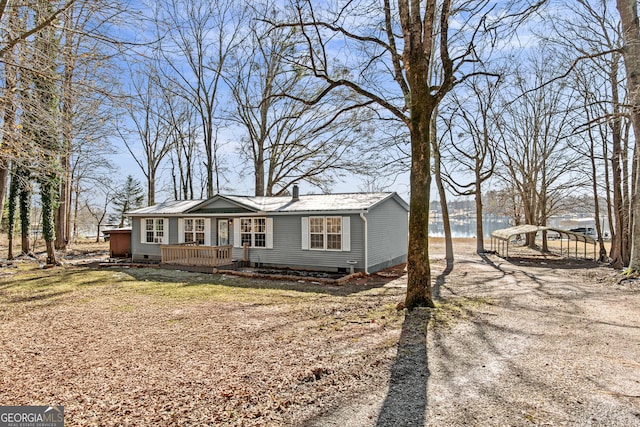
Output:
x=532 y=342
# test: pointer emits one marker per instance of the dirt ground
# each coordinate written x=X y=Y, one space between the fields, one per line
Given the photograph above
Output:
x=527 y=341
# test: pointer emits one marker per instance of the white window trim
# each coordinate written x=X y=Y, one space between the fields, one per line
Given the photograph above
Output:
x=207 y=229
x=345 y=231
x=237 y=232
x=165 y=231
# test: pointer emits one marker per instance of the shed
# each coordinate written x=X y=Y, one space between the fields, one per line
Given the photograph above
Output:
x=119 y=242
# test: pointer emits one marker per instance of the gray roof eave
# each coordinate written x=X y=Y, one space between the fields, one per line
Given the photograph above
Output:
x=322 y=212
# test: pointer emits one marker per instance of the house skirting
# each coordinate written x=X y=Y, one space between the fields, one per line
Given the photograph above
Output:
x=389 y=263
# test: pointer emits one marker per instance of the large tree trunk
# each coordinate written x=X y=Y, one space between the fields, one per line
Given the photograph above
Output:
x=25 y=213
x=619 y=241
x=48 y=226
x=259 y=172
x=151 y=187
x=418 y=269
x=422 y=105
x=63 y=211
x=628 y=10
x=4 y=175
x=13 y=209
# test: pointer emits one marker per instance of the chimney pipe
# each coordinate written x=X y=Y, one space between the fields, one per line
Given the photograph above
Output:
x=296 y=194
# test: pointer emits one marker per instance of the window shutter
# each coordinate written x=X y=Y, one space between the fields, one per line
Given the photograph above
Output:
x=165 y=227
x=143 y=230
x=236 y=233
x=180 y=230
x=305 y=233
x=346 y=234
x=269 y=225
x=207 y=231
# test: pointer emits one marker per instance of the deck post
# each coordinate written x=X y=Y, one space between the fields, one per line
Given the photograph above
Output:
x=245 y=252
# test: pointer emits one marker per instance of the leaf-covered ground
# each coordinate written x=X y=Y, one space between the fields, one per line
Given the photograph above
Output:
x=532 y=340
x=158 y=347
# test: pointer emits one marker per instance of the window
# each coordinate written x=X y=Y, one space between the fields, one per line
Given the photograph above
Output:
x=325 y=233
x=253 y=231
x=194 y=230
x=154 y=231
x=334 y=233
x=316 y=233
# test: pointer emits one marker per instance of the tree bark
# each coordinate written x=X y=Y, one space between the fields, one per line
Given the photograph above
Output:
x=446 y=223
x=25 y=213
x=628 y=10
x=479 y=225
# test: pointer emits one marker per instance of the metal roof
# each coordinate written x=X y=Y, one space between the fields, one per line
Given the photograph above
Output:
x=172 y=207
x=282 y=204
x=507 y=233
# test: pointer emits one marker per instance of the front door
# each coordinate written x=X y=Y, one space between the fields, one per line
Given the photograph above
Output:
x=223 y=232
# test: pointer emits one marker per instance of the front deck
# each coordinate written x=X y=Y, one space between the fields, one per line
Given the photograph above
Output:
x=192 y=255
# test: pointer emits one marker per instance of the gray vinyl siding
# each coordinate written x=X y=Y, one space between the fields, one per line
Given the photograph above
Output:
x=388 y=225
x=287 y=248
x=150 y=251
x=387 y=241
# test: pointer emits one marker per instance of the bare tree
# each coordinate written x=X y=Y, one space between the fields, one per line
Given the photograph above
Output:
x=534 y=130
x=183 y=157
x=203 y=35
x=41 y=119
x=87 y=85
x=149 y=138
x=472 y=146
x=398 y=45
x=628 y=10
x=57 y=8
x=592 y=33
x=9 y=105
x=286 y=140
x=99 y=211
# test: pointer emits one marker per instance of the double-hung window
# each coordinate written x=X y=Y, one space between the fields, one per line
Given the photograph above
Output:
x=253 y=231
x=194 y=230
x=154 y=230
x=325 y=233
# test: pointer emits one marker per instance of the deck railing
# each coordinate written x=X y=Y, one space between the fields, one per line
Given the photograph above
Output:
x=196 y=255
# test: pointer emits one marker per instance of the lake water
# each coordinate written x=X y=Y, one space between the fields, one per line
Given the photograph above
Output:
x=464 y=225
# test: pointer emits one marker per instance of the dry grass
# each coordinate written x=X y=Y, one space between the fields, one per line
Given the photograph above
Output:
x=158 y=347
x=147 y=346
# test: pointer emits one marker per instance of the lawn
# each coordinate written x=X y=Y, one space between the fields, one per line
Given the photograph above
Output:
x=151 y=346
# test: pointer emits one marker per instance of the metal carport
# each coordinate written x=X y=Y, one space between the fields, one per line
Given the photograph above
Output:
x=500 y=237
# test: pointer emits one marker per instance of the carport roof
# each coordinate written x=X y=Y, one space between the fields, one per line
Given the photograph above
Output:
x=507 y=233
